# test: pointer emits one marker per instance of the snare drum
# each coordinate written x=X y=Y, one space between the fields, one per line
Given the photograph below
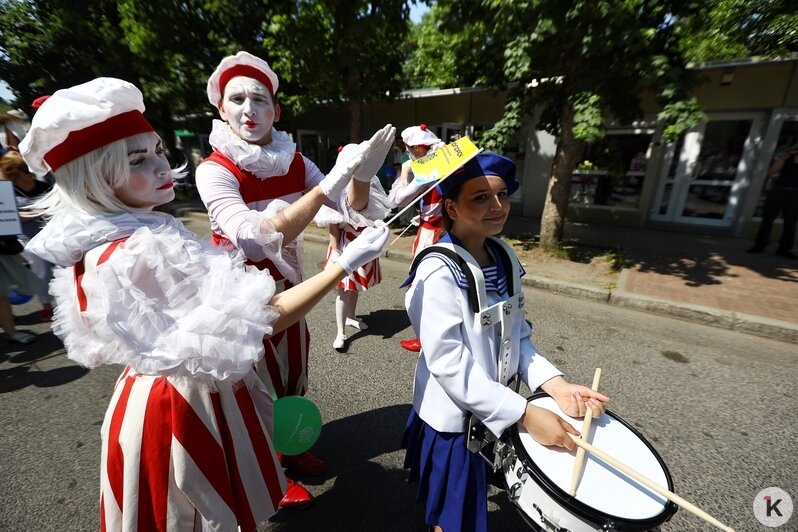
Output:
x=539 y=478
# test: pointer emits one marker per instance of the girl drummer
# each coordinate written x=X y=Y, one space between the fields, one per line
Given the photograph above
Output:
x=457 y=373
x=187 y=436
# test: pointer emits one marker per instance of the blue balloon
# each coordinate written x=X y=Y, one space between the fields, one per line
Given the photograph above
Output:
x=18 y=299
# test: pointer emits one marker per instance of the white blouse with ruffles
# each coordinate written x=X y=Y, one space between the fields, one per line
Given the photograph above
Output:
x=162 y=303
x=240 y=221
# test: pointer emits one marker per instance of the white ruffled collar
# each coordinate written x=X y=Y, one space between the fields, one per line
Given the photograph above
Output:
x=67 y=237
x=261 y=161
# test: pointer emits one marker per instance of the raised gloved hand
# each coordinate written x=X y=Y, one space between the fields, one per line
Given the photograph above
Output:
x=335 y=182
x=365 y=248
x=378 y=146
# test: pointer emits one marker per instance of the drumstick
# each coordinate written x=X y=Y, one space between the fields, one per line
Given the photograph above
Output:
x=400 y=235
x=690 y=507
x=579 y=464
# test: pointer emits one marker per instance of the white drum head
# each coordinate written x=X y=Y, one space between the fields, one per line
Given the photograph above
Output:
x=602 y=487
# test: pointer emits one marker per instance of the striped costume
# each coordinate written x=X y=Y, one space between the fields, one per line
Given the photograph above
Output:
x=173 y=455
x=364 y=277
x=186 y=440
x=286 y=358
x=430 y=228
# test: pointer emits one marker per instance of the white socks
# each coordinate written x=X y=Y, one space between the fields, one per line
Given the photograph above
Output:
x=339 y=344
x=360 y=325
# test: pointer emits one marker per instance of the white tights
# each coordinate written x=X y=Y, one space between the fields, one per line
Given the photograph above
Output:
x=345 y=305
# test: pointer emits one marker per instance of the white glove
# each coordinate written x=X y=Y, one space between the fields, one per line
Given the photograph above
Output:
x=335 y=182
x=378 y=146
x=365 y=248
x=334 y=254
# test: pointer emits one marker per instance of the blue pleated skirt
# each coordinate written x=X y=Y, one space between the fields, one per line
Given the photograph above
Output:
x=452 y=480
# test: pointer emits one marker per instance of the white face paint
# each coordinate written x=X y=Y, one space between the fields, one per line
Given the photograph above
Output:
x=150 y=182
x=249 y=108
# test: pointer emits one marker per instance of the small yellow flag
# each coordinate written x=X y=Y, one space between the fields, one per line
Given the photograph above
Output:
x=443 y=161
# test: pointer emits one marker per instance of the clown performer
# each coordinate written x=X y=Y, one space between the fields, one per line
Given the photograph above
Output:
x=186 y=439
x=260 y=194
x=465 y=371
x=420 y=141
x=344 y=228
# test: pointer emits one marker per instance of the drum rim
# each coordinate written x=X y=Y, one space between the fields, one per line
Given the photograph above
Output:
x=580 y=508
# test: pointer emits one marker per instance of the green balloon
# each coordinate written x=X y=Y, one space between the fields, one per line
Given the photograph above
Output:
x=297 y=424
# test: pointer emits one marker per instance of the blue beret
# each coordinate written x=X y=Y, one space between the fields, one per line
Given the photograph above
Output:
x=486 y=163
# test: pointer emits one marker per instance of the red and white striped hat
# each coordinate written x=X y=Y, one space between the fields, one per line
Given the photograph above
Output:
x=78 y=120
x=241 y=64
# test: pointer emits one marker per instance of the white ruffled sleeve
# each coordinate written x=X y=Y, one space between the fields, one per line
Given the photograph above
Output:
x=378 y=208
x=287 y=258
x=165 y=304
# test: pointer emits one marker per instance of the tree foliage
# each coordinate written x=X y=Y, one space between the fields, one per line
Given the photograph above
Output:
x=733 y=29
x=167 y=48
x=442 y=54
x=322 y=51
x=578 y=61
x=339 y=52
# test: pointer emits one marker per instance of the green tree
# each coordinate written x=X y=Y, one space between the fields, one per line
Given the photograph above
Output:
x=339 y=52
x=443 y=54
x=730 y=29
x=579 y=61
x=166 y=48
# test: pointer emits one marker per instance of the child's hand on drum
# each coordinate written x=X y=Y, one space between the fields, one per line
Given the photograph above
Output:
x=573 y=399
x=547 y=428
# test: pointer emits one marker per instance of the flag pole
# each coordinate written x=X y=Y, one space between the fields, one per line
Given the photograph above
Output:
x=421 y=195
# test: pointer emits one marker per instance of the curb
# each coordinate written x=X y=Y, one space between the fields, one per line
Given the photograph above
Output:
x=781 y=331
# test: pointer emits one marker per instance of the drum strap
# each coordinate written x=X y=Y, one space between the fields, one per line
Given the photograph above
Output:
x=486 y=316
x=478 y=437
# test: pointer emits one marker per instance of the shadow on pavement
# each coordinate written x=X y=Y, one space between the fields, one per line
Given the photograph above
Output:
x=19 y=364
x=384 y=322
x=366 y=495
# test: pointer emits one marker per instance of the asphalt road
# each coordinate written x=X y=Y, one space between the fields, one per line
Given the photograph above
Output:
x=719 y=407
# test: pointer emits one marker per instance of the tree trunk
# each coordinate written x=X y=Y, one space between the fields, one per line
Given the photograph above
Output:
x=355 y=107
x=569 y=149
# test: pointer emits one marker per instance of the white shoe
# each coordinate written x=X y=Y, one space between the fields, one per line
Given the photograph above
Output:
x=339 y=344
x=360 y=325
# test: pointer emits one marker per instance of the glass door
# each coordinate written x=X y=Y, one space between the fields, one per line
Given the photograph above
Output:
x=704 y=169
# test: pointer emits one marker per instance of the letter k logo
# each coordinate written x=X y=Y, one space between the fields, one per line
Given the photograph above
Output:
x=772 y=506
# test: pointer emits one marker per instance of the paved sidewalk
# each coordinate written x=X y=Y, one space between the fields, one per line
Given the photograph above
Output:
x=696 y=277
x=703 y=278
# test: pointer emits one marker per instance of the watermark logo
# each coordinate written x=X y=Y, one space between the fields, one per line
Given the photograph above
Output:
x=772 y=507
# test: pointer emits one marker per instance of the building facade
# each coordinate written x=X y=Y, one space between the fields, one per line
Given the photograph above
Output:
x=712 y=179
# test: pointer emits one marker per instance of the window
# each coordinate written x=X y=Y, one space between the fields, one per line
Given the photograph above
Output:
x=612 y=171
x=788 y=139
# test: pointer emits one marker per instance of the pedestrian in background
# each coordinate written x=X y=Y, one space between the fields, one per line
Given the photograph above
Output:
x=782 y=199
x=27 y=190
x=15 y=275
x=344 y=227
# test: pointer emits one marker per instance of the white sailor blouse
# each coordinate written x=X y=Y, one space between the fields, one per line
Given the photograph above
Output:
x=468 y=357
